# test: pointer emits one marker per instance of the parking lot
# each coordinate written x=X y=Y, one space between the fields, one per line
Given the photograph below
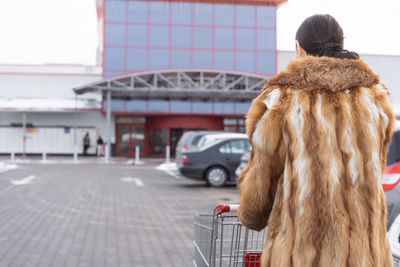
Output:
x=96 y=214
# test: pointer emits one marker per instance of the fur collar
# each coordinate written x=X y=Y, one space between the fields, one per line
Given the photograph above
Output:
x=325 y=73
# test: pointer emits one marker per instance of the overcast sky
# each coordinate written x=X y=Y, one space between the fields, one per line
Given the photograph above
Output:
x=65 y=31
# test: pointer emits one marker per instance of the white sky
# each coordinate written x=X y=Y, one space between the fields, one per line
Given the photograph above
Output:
x=65 y=31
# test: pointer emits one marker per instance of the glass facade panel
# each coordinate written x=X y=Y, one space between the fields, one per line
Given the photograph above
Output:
x=137 y=11
x=117 y=105
x=266 y=16
x=181 y=36
x=224 y=38
x=159 y=36
x=245 y=61
x=203 y=106
x=180 y=105
x=158 y=105
x=137 y=35
x=202 y=59
x=112 y=73
x=223 y=106
x=159 y=12
x=115 y=11
x=224 y=60
x=157 y=141
x=180 y=59
x=159 y=59
x=202 y=14
x=137 y=59
x=114 y=58
x=245 y=39
x=242 y=106
x=224 y=15
x=116 y=33
x=202 y=37
x=136 y=105
x=181 y=13
x=245 y=15
x=266 y=63
x=266 y=40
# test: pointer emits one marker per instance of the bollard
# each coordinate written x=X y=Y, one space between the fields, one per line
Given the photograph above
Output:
x=44 y=157
x=167 y=154
x=12 y=157
x=137 y=151
x=75 y=153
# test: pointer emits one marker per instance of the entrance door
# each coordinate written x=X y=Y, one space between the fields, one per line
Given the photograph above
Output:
x=174 y=136
x=128 y=137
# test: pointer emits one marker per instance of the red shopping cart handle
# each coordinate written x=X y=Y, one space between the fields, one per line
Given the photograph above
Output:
x=222 y=208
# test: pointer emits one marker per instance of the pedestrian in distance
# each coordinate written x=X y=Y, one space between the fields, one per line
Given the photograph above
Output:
x=100 y=146
x=319 y=132
x=86 y=143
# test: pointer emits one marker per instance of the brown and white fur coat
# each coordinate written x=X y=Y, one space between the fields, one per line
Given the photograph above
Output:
x=319 y=133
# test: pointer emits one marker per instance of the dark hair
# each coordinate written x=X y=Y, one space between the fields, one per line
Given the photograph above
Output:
x=321 y=35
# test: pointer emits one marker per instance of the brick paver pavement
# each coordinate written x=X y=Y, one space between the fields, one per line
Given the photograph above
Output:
x=86 y=215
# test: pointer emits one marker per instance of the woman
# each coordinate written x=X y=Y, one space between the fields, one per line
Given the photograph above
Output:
x=319 y=132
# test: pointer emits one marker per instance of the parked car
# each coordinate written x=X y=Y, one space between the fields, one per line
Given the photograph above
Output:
x=189 y=140
x=214 y=162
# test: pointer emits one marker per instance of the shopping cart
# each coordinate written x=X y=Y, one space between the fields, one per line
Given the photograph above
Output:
x=221 y=240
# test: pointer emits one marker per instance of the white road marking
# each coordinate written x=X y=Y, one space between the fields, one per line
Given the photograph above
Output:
x=137 y=181
x=24 y=181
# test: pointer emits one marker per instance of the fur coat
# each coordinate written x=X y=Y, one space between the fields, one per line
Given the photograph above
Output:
x=319 y=133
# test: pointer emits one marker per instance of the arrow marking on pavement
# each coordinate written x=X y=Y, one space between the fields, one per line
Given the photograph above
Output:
x=24 y=181
x=137 y=181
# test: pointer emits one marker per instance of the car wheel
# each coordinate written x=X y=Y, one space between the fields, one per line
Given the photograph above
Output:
x=216 y=176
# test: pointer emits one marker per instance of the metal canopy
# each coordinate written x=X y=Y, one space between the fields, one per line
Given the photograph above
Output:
x=180 y=83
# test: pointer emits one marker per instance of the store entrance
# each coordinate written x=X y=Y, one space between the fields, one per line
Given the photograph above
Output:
x=174 y=136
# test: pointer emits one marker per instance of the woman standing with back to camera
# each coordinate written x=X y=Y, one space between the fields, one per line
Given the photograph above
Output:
x=319 y=132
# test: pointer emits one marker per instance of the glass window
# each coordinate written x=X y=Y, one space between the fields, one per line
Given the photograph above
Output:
x=158 y=105
x=131 y=119
x=230 y=120
x=225 y=149
x=114 y=58
x=242 y=106
x=159 y=12
x=180 y=105
x=266 y=63
x=223 y=106
x=112 y=73
x=180 y=59
x=224 y=60
x=203 y=106
x=224 y=38
x=202 y=37
x=137 y=59
x=181 y=36
x=137 y=11
x=245 y=15
x=266 y=16
x=238 y=146
x=203 y=14
x=115 y=34
x=202 y=59
x=245 y=61
x=159 y=36
x=137 y=35
x=230 y=129
x=224 y=15
x=115 y=11
x=117 y=104
x=136 y=105
x=159 y=59
x=158 y=140
x=266 y=40
x=181 y=13
x=245 y=39
x=123 y=133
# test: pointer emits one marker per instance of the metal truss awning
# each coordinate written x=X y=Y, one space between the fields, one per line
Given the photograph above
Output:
x=180 y=83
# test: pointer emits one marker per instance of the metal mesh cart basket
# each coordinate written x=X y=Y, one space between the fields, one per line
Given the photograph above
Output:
x=221 y=240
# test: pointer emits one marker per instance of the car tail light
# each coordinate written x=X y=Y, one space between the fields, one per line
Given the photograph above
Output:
x=184 y=159
x=184 y=148
x=391 y=176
